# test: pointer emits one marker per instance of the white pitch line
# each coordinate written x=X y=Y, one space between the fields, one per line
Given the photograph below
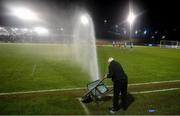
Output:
x=34 y=68
x=80 y=88
x=84 y=107
x=40 y=91
x=153 y=91
x=154 y=82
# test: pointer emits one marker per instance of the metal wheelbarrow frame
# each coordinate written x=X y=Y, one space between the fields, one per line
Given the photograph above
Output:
x=95 y=91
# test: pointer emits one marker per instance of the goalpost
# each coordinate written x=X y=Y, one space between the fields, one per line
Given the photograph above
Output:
x=169 y=44
x=178 y=47
x=128 y=44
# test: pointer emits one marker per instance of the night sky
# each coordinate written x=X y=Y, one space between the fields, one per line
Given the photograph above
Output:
x=156 y=14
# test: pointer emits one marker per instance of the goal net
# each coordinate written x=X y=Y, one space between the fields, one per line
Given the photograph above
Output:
x=178 y=45
x=169 y=44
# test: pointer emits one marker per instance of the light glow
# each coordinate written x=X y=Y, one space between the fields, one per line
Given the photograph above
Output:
x=25 y=29
x=145 y=32
x=25 y=14
x=84 y=19
x=136 y=32
x=62 y=29
x=131 y=18
x=41 y=30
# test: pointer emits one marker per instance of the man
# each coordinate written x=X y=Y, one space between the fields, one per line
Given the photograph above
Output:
x=120 y=80
x=113 y=43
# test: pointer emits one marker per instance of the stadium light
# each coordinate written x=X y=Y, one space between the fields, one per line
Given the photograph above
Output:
x=105 y=20
x=25 y=29
x=136 y=32
x=41 y=30
x=84 y=20
x=24 y=14
x=145 y=32
x=131 y=18
x=163 y=37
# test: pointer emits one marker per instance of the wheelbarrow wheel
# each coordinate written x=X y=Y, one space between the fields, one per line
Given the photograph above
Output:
x=87 y=99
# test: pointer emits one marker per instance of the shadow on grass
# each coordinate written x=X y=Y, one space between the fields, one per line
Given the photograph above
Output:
x=130 y=100
x=106 y=98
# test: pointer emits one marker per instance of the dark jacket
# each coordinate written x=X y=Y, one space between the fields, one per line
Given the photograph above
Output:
x=116 y=72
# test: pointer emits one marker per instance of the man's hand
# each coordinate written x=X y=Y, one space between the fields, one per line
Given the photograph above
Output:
x=105 y=76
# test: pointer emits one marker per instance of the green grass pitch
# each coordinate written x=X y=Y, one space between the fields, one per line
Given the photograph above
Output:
x=31 y=67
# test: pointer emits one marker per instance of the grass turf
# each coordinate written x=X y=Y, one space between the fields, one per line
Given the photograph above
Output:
x=27 y=67
x=66 y=102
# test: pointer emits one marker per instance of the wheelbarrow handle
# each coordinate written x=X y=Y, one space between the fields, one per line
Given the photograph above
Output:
x=105 y=77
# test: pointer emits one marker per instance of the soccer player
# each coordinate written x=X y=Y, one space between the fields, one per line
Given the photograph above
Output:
x=120 y=81
x=113 y=43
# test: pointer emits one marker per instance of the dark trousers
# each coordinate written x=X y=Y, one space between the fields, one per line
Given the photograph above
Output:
x=120 y=87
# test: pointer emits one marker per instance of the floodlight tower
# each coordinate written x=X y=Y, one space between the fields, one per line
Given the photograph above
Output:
x=130 y=19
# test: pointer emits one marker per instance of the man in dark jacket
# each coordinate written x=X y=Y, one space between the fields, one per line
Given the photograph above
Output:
x=120 y=81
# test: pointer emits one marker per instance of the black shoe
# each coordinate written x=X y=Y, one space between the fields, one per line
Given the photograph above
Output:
x=112 y=110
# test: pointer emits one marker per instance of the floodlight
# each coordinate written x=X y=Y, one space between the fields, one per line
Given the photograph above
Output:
x=15 y=29
x=163 y=37
x=84 y=19
x=136 y=32
x=41 y=30
x=131 y=18
x=25 y=14
x=105 y=21
x=145 y=32
x=25 y=29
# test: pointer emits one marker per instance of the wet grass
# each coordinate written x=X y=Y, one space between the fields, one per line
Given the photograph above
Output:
x=25 y=67
x=66 y=102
